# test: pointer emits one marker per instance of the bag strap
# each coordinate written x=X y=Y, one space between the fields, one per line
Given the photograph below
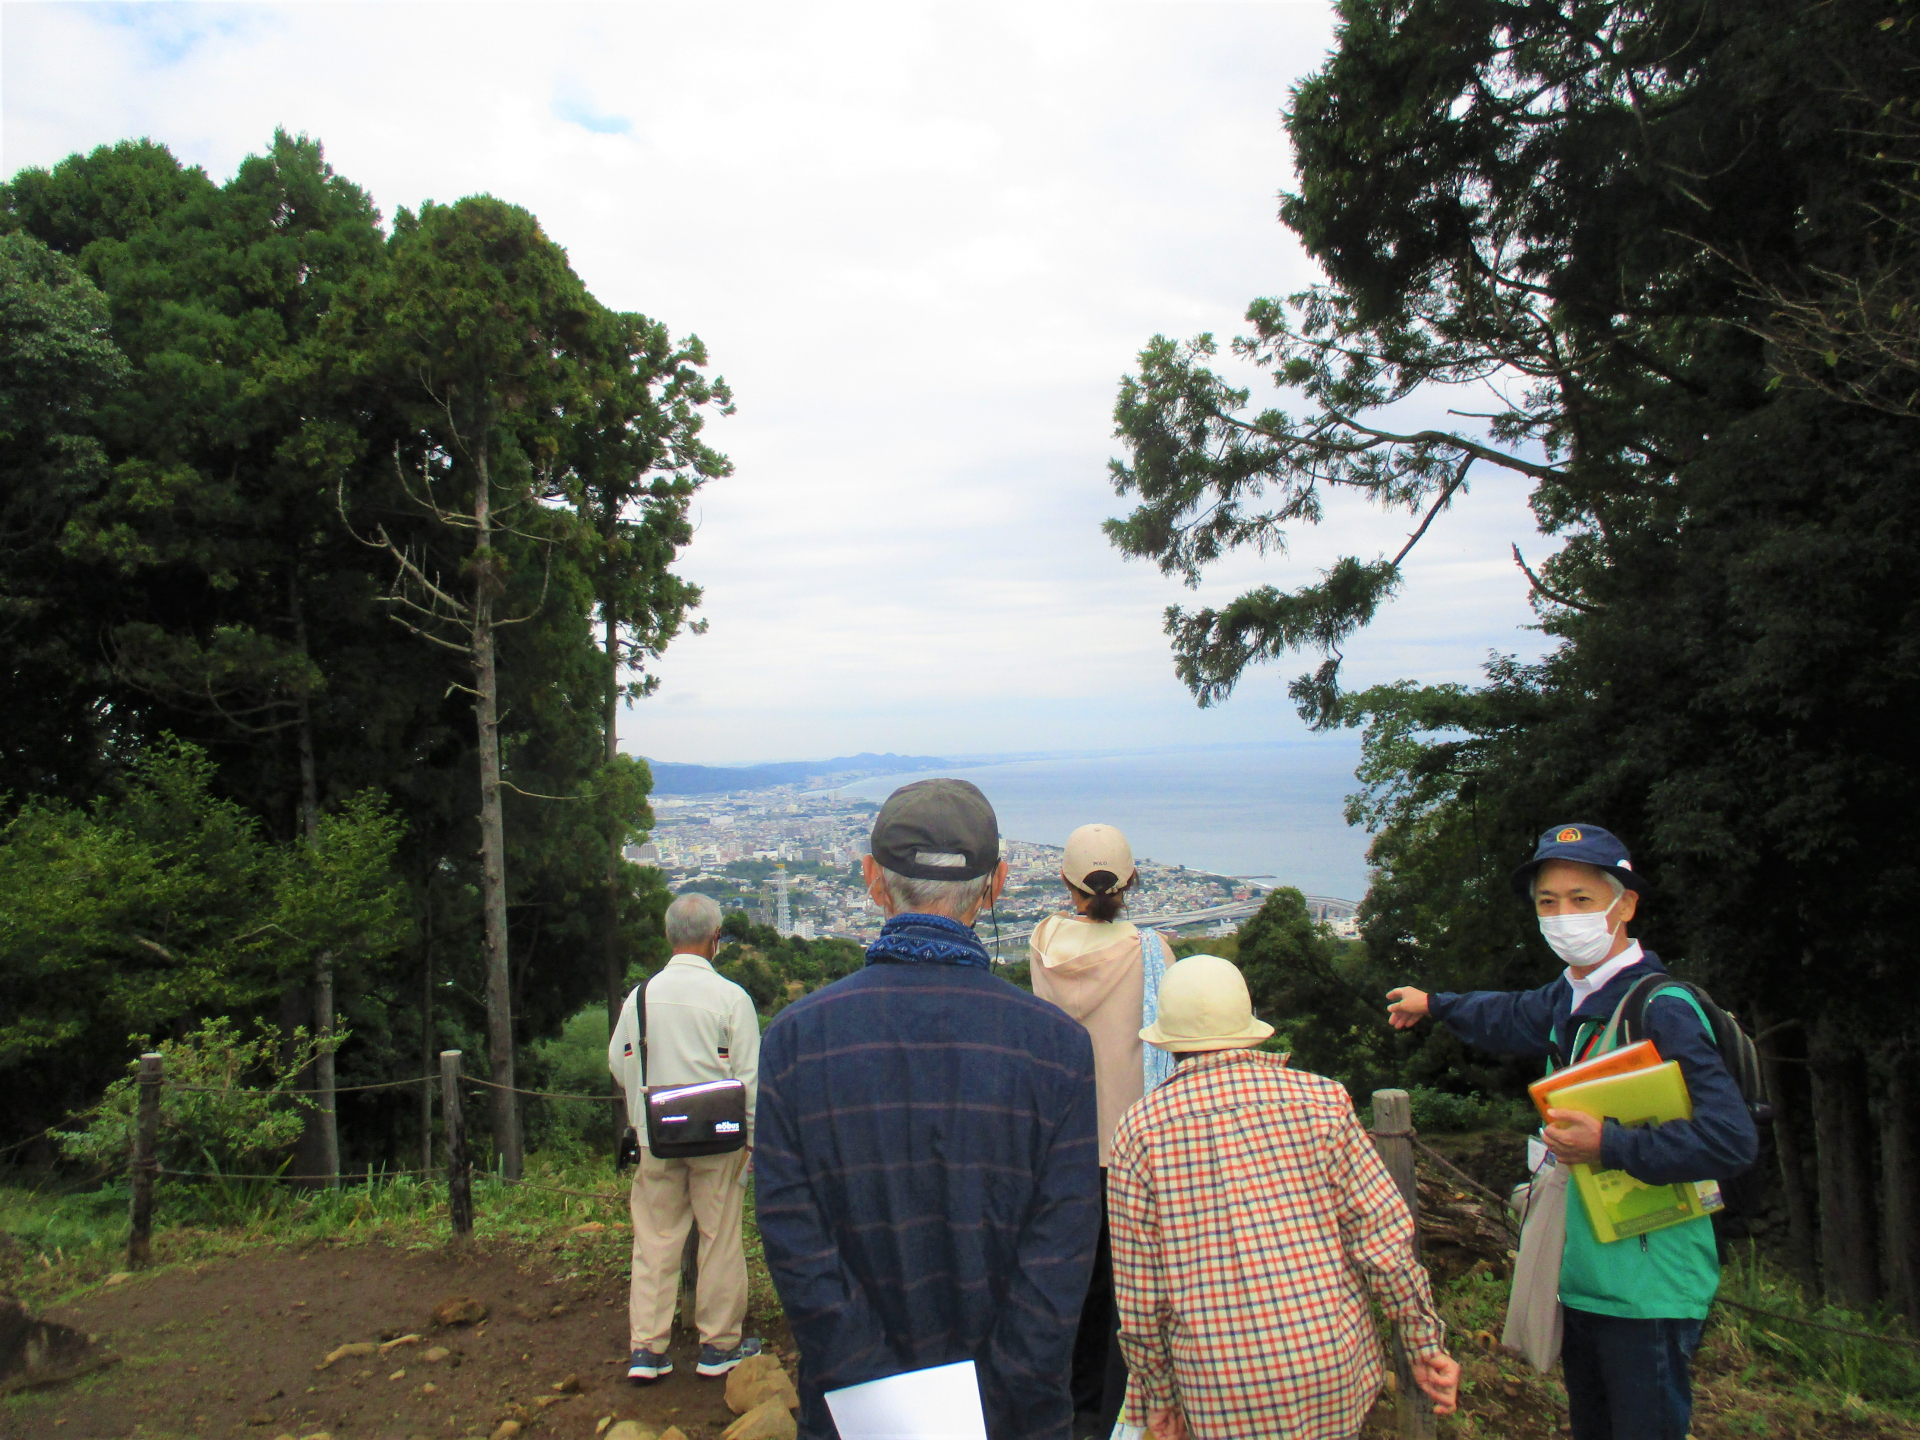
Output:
x=1644 y=992
x=640 y=1001
x=1610 y=1036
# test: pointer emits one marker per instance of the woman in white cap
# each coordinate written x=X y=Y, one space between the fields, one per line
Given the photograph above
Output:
x=1104 y=972
x=1252 y=1222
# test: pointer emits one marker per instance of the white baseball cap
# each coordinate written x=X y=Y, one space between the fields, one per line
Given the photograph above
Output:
x=1098 y=860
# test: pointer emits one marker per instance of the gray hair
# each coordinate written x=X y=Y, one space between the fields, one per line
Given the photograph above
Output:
x=954 y=899
x=1613 y=880
x=693 y=919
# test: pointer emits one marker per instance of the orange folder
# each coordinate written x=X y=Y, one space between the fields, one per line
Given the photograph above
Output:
x=1639 y=1056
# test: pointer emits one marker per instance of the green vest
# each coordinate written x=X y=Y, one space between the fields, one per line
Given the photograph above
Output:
x=1670 y=1274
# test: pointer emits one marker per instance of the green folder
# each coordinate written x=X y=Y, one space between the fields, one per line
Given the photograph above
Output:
x=1616 y=1203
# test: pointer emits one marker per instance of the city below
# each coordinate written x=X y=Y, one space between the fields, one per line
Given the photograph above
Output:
x=790 y=857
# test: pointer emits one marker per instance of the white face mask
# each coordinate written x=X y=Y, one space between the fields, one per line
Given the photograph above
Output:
x=1580 y=940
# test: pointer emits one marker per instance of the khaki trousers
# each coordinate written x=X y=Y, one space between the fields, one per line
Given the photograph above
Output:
x=666 y=1195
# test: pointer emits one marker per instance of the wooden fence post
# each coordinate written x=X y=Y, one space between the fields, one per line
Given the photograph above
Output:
x=146 y=1141
x=459 y=1171
x=1393 y=1138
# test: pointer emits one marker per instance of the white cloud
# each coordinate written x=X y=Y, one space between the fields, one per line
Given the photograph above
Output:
x=922 y=241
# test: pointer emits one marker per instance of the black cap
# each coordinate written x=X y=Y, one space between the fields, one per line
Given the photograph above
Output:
x=1583 y=845
x=937 y=830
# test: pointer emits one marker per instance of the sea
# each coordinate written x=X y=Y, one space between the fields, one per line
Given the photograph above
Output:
x=1258 y=810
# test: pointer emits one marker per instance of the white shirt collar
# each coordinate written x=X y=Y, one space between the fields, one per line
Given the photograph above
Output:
x=1583 y=990
x=700 y=960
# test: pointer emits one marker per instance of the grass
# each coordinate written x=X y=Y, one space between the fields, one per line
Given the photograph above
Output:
x=1753 y=1376
x=1857 y=1371
x=56 y=1241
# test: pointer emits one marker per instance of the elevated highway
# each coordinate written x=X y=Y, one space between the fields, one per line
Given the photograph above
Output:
x=1321 y=907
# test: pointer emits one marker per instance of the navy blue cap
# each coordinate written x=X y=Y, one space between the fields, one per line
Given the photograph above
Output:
x=1583 y=845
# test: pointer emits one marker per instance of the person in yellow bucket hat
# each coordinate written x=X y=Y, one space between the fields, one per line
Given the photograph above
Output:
x=1244 y=1199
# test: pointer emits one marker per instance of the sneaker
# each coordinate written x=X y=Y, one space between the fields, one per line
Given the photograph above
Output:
x=645 y=1366
x=715 y=1361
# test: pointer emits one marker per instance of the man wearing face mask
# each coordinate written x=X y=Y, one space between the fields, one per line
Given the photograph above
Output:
x=1633 y=1307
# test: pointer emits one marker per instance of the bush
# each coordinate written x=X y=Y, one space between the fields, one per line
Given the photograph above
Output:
x=240 y=1119
x=1438 y=1111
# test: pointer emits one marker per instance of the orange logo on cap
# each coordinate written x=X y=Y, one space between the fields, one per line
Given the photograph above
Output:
x=1567 y=836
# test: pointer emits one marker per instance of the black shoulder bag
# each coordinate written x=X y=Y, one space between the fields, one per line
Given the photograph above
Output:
x=708 y=1117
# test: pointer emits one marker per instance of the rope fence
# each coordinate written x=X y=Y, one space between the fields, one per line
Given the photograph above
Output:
x=73 y=1119
x=458 y=1170
x=539 y=1094
x=348 y=1178
x=1502 y=1208
x=336 y=1090
x=1392 y=1133
x=1818 y=1324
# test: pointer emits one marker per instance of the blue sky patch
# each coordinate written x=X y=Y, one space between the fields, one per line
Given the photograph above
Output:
x=575 y=110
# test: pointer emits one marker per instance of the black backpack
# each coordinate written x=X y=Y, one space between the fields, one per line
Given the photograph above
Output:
x=1745 y=1194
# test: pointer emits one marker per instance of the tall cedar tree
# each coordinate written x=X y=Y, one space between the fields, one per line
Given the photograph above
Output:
x=1566 y=210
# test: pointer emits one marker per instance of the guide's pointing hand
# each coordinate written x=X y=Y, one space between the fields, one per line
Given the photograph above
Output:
x=1408 y=1009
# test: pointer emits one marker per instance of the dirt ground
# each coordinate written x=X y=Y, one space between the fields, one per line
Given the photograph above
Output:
x=230 y=1348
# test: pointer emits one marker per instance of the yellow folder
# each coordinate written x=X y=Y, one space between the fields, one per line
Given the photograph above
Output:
x=1617 y=1204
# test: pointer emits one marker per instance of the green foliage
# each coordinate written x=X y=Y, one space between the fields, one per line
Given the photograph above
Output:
x=574 y=1062
x=1319 y=992
x=1439 y=1111
x=58 y=365
x=775 y=970
x=166 y=903
x=1508 y=194
x=1851 y=1365
x=248 y=380
x=226 y=1105
x=1227 y=947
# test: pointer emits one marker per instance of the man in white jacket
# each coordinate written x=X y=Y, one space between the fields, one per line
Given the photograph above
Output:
x=700 y=1026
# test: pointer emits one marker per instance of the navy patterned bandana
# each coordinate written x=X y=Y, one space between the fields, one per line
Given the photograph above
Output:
x=933 y=939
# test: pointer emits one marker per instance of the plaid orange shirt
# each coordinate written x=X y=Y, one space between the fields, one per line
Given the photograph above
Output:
x=1251 y=1218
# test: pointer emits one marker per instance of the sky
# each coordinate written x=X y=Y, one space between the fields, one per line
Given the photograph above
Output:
x=923 y=243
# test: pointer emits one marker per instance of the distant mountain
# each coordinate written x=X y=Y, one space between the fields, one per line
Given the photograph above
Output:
x=672 y=778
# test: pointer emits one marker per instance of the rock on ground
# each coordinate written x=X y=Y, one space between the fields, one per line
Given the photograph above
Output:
x=39 y=1352
x=459 y=1310
x=769 y=1420
x=757 y=1379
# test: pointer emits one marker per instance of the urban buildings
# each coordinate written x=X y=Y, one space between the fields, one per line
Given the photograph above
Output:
x=791 y=858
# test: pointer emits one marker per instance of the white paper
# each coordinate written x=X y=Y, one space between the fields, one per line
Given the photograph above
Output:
x=938 y=1404
x=1536 y=1154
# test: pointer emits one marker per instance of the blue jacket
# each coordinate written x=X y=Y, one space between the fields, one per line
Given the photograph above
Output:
x=1718 y=1142
x=927 y=1178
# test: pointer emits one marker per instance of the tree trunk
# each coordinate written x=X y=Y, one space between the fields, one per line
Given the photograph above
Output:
x=1900 y=1178
x=428 y=1049
x=614 y=971
x=326 y=1116
x=493 y=849
x=1844 y=1138
x=296 y=1010
x=1787 y=1089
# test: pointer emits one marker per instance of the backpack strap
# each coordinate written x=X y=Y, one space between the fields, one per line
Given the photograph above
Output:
x=1641 y=989
x=1633 y=1005
x=1629 y=1020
